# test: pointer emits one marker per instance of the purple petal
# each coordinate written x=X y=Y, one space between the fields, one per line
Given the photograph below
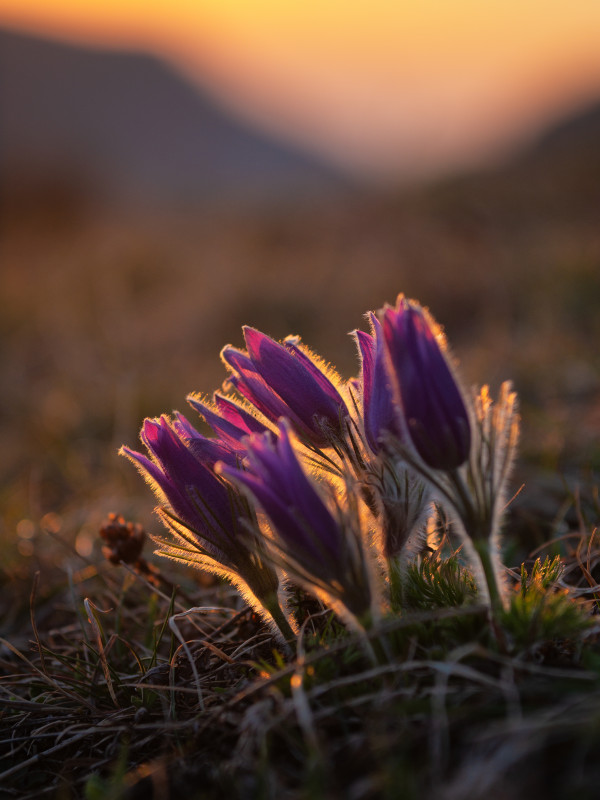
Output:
x=291 y=379
x=186 y=479
x=151 y=471
x=432 y=403
x=238 y=416
x=379 y=409
x=284 y=522
x=224 y=428
x=163 y=486
x=277 y=468
x=253 y=386
x=326 y=386
x=207 y=451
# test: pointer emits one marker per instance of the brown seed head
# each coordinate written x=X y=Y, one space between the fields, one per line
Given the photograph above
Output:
x=123 y=541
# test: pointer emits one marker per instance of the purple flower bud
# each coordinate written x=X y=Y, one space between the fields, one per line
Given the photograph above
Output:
x=319 y=548
x=180 y=472
x=228 y=419
x=433 y=407
x=290 y=500
x=380 y=412
x=212 y=525
x=281 y=380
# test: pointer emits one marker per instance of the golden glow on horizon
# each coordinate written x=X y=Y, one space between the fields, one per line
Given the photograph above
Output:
x=352 y=74
x=388 y=31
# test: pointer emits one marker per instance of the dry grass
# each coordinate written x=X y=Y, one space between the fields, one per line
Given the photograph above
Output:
x=122 y=687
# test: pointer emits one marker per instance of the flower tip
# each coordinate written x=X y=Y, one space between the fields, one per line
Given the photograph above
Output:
x=251 y=333
x=152 y=427
x=402 y=301
x=227 y=355
x=292 y=339
x=386 y=311
x=255 y=340
x=137 y=459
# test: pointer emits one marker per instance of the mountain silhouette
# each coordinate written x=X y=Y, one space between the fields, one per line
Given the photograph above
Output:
x=127 y=126
x=561 y=168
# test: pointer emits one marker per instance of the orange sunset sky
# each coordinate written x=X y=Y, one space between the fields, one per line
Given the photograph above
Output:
x=374 y=84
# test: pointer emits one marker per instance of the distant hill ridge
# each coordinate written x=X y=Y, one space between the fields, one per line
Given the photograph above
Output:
x=130 y=126
x=123 y=126
x=581 y=128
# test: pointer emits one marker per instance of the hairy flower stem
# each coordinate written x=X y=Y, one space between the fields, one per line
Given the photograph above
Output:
x=483 y=550
x=480 y=521
x=274 y=610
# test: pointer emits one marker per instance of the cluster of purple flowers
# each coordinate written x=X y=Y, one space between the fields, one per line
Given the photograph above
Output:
x=324 y=483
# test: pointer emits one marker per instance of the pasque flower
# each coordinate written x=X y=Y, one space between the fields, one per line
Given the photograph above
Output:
x=282 y=380
x=317 y=545
x=465 y=449
x=212 y=524
x=410 y=438
x=400 y=495
x=436 y=416
x=183 y=479
x=380 y=411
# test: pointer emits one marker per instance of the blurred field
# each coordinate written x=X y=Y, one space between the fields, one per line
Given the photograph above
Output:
x=106 y=318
